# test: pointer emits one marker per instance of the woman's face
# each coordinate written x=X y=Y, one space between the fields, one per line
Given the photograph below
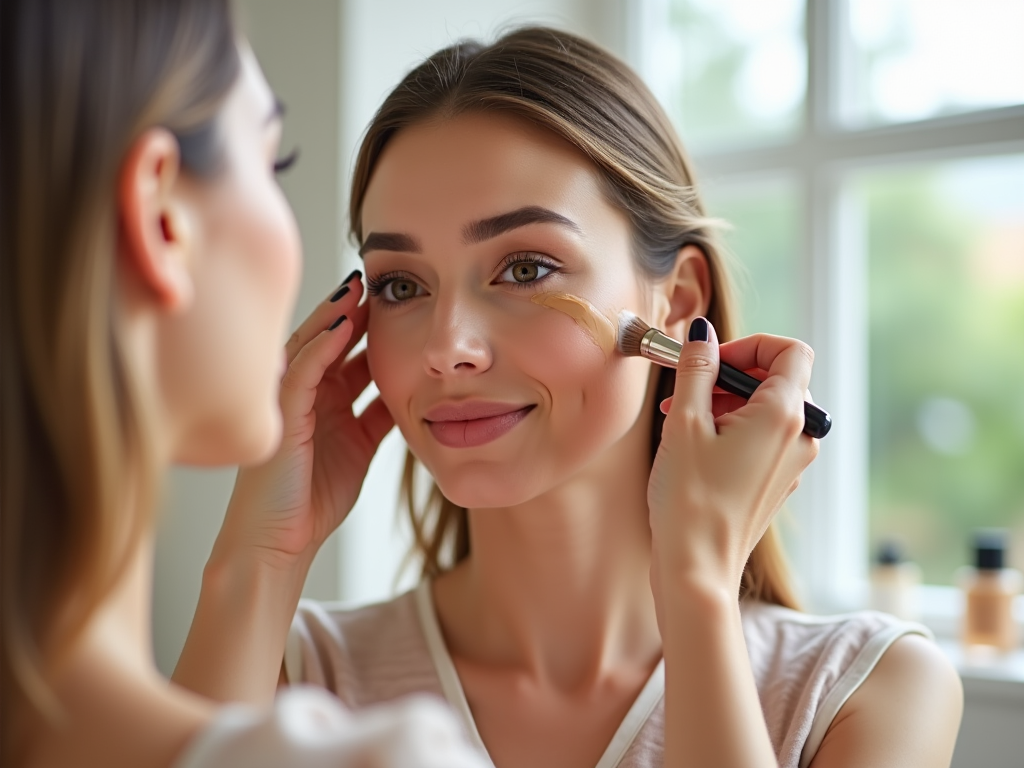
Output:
x=223 y=359
x=466 y=222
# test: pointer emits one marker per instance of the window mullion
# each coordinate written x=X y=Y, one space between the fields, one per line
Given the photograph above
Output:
x=833 y=509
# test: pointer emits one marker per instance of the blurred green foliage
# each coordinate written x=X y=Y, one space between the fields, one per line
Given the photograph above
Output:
x=706 y=102
x=945 y=324
x=762 y=238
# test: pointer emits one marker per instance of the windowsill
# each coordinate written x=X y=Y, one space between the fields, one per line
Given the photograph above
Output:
x=999 y=680
x=988 y=675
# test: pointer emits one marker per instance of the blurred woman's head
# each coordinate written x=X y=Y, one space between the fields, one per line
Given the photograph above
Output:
x=490 y=177
x=150 y=264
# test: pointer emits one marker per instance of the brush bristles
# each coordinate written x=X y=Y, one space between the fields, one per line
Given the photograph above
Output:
x=631 y=332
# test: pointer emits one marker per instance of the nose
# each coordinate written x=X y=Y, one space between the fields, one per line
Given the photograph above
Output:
x=457 y=345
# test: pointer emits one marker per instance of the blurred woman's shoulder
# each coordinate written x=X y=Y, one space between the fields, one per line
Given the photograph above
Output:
x=364 y=654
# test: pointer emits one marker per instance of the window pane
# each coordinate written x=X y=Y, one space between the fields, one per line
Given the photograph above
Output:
x=946 y=281
x=732 y=71
x=914 y=59
x=764 y=237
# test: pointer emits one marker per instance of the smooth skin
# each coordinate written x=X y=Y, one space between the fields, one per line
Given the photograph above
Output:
x=587 y=567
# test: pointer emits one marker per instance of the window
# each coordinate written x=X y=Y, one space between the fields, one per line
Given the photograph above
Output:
x=763 y=217
x=870 y=155
x=741 y=76
x=946 y=353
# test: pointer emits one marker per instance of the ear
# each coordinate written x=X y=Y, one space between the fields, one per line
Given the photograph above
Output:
x=685 y=293
x=154 y=223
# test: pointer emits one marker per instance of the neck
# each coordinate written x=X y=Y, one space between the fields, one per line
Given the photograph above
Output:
x=560 y=586
x=120 y=629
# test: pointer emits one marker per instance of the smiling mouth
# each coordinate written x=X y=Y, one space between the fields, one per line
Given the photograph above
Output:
x=473 y=424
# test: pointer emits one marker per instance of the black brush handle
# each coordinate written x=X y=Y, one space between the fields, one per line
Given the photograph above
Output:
x=817 y=422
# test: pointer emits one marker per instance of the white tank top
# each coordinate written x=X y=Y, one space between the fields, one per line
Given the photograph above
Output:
x=805 y=668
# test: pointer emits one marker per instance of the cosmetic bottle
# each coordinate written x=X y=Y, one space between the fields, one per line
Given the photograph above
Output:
x=989 y=588
x=894 y=581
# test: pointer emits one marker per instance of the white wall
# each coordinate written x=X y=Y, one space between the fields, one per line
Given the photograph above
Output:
x=332 y=62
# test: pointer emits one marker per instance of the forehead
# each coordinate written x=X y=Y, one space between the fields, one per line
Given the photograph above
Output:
x=474 y=166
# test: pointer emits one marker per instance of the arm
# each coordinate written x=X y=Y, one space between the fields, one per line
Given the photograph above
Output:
x=712 y=710
x=235 y=646
x=906 y=713
x=716 y=484
x=282 y=511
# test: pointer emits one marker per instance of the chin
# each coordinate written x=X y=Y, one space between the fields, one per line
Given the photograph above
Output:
x=243 y=440
x=260 y=445
x=476 y=487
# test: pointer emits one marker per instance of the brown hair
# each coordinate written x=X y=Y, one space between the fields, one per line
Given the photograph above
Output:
x=81 y=81
x=594 y=101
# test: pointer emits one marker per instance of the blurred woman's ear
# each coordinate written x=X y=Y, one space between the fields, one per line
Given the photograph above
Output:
x=685 y=293
x=155 y=226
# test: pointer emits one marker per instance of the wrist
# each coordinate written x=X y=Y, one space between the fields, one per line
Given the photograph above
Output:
x=251 y=534
x=685 y=597
x=700 y=573
x=242 y=575
x=236 y=644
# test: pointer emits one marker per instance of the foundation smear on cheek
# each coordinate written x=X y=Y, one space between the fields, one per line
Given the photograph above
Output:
x=599 y=328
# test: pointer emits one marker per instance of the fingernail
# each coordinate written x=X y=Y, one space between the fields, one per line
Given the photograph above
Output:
x=698 y=330
x=337 y=322
x=355 y=273
x=341 y=292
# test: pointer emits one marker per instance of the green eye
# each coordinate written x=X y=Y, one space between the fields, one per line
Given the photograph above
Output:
x=400 y=290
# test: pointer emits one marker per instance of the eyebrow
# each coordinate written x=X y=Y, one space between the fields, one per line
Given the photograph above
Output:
x=389 y=241
x=485 y=229
x=475 y=232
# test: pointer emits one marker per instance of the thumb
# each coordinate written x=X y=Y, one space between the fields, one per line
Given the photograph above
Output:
x=697 y=373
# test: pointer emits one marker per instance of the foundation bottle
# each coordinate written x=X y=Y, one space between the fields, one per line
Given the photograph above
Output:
x=894 y=582
x=989 y=588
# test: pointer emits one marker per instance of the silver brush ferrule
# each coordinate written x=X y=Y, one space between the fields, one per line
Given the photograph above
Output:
x=661 y=349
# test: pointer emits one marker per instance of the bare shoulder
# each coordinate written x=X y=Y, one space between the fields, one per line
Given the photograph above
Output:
x=907 y=712
x=114 y=718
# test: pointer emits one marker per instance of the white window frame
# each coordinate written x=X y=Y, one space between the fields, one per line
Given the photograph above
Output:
x=830 y=549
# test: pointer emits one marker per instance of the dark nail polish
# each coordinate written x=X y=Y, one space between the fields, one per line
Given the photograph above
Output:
x=341 y=292
x=355 y=273
x=698 y=330
x=338 y=322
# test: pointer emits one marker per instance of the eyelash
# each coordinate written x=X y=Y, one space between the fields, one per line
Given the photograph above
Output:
x=282 y=165
x=375 y=284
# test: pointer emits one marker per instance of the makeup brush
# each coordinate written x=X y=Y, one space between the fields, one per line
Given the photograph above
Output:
x=637 y=338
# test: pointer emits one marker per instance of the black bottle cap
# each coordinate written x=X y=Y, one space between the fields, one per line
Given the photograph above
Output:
x=890 y=552
x=989 y=549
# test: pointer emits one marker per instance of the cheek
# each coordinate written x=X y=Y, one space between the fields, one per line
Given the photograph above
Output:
x=393 y=355
x=586 y=389
x=246 y=283
x=271 y=253
x=262 y=260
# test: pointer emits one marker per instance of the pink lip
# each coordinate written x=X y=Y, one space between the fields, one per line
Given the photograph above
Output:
x=467 y=425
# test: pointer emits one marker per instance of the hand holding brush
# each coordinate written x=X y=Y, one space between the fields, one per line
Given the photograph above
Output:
x=637 y=339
